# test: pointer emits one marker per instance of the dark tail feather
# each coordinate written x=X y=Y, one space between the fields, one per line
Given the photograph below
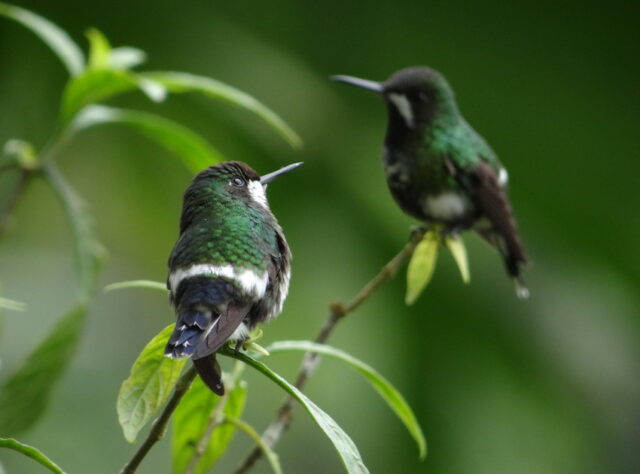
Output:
x=514 y=261
x=188 y=332
x=210 y=373
x=513 y=255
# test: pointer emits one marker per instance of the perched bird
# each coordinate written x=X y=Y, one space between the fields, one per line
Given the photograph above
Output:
x=439 y=169
x=229 y=269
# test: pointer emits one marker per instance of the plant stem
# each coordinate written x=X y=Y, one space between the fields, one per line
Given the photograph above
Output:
x=310 y=362
x=159 y=427
x=14 y=197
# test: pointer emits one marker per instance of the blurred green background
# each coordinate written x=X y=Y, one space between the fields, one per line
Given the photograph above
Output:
x=549 y=385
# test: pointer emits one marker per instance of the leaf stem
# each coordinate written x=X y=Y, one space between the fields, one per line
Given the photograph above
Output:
x=14 y=197
x=159 y=427
x=31 y=452
x=337 y=311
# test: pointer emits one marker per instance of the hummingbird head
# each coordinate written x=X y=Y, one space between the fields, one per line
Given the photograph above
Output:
x=415 y=96
x=227 y=184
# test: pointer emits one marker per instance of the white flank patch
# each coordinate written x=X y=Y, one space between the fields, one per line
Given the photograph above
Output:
x=445 y=206
x=240 y=334
x=404 y=107
x=256 y=191
x=251 y=282
x=503 y=177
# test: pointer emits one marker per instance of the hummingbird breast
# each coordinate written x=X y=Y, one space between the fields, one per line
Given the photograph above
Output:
x=424 y=188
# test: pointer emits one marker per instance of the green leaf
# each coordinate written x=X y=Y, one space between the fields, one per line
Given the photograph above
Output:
x=97 y=85
x=196 y=153
x=25 y=394
x=89 y=253
x=388 y=392
x=192 y=419
x=152 y=285
x=12 y=305
x=31 y=452
x=269 y=453
x=455 y=244
x=126 y=57
x=56 y=38
x=341 y=441
x=149 y=385
x=421 y=266
x=99 y=49
x=183 y=82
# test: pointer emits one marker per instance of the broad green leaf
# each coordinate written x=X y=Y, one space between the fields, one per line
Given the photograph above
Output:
x=97 y=85
x=192 y=419
x=196 y=153
x=421 y=266
x=152 y=285
x=25 y=394
x=459 y=252
x=388 y=392
x=56 y=38
x=183 y=82
x=89 y=253
x=31 y=452
x=149 y=385
x=341 y=441
x=269 y=453
x=12 y=305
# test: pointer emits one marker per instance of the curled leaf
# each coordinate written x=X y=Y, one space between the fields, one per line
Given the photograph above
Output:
x=387 y=391
x=31 y=452
x=56 y=38
x=195 y=152
x=421 y=266
x=184 y=82
x=343 y=444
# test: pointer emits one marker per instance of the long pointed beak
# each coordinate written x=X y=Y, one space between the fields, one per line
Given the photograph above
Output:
x=362 y=83
x=267 y=178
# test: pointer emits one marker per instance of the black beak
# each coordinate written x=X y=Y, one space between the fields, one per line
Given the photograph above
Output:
x=362 y=83
x=267 y=178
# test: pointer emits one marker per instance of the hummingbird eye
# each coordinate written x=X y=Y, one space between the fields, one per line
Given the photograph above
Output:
x=237 y=182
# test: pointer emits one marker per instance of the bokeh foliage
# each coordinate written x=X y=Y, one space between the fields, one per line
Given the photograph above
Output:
x=546 y=386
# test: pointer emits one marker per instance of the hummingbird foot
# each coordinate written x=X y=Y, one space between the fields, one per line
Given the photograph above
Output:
x=250 y=343
x=417 y=231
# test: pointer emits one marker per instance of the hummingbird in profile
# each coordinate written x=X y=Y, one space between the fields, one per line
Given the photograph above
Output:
x=229 y=269
x=439 y=169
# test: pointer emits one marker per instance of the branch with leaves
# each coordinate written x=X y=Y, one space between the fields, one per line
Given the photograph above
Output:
x=103 y=74
x=136 y=405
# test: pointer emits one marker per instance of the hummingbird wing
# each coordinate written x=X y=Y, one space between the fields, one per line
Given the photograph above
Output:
x=484 y=186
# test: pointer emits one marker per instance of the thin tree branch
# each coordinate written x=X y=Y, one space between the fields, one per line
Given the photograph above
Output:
x=310 y=362
x=159 y=427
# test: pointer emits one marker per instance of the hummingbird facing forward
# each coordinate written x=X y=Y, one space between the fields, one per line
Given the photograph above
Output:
x=439 y=169
x=229 y=269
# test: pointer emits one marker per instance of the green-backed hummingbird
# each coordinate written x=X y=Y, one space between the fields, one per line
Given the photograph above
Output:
x=439 y=169
x=229 y=269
